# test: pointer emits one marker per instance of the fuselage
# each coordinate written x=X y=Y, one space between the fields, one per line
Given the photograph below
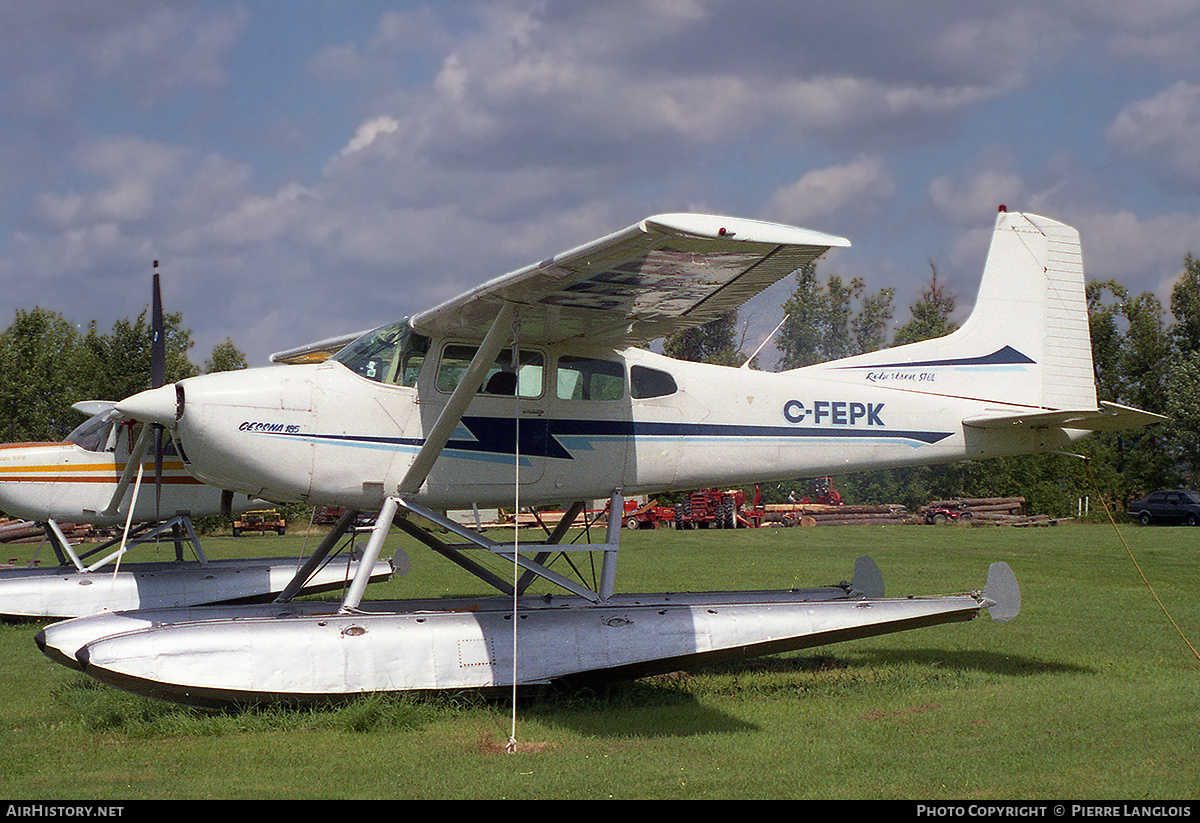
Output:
x=73 y=481
x=578 y=424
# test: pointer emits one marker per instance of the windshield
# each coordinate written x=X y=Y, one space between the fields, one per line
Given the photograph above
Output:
x=95 y=432
x=389 y=354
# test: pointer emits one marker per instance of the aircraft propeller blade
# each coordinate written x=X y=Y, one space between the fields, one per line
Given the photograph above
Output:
x=158 y=345
x=158 y=376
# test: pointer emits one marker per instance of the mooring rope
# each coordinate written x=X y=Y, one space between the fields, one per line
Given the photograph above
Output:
x=1136 y=565
x=516 y=364
x=128 y=520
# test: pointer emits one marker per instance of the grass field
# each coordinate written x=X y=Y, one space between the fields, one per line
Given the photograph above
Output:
x=1090 y=694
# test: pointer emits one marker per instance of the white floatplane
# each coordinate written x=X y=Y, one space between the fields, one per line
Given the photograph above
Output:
x=94 y=477
x=531 y=386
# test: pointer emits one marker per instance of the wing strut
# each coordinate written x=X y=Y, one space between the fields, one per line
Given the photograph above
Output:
x=498 y=334
x=463 y=394
x=136 y=454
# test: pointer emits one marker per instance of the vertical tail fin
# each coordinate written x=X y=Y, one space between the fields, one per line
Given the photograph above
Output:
x=1026 y=342
x=1032 y=297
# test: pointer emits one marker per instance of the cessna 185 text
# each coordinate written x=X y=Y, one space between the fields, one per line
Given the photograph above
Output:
x=533 y=385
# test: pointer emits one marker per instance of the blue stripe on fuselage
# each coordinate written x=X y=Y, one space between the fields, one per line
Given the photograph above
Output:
x=1007 y=356
x=558 y=438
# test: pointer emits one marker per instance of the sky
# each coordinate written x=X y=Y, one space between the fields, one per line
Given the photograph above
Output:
x=308 y=168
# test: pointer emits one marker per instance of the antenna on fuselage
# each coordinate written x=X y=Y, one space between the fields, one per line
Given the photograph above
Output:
x=767 y=340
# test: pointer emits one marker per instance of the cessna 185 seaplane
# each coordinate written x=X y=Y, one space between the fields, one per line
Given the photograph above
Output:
x=110 y=471
x=530 y=386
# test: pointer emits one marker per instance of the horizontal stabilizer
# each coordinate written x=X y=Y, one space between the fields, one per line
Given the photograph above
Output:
x=1109 y=417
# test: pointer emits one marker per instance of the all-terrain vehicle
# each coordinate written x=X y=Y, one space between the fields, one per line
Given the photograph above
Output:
x=260 y=521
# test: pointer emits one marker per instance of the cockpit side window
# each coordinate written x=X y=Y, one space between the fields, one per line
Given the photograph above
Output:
x=646 y=382
x=389 y=354
x=500 y=379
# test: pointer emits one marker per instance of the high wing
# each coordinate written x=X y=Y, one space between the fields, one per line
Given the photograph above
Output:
x=664 y=274
x=315 y=352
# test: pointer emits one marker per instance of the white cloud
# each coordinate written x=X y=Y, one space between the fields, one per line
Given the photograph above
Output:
x=438 y=146
x=369 y=131
x=1150 y=32
x=969 y=202
x=1164 y=130
x=55 y=52
x=1144 y=253
x=829 y=194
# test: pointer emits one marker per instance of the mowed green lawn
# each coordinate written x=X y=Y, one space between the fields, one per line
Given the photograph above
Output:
x=1090 y=694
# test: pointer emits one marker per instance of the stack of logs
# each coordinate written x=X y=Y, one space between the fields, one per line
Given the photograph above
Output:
x=1001 y=511
x=26 y=531
x=987 y=510
x=817 y=514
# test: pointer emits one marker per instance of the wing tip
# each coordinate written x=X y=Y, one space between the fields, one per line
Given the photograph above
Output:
x=740 y=229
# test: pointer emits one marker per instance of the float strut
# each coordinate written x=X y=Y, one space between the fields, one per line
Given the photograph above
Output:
x=370 y=554
x=608 y=571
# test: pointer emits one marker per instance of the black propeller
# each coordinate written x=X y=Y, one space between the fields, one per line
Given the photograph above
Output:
x=158 y=377
x=158 y=342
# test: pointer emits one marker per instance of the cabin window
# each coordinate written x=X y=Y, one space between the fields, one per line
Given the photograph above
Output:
x=389 y=354
x=646 y=382
x=500 y=380
x=588 y=378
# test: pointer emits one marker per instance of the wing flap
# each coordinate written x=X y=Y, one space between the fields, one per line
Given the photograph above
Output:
x=664 y=274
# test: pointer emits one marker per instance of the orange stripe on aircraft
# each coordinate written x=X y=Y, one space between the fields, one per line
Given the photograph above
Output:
x=86 y=467
x=173 y=481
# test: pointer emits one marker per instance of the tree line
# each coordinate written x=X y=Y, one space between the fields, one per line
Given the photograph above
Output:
x=1144 y=354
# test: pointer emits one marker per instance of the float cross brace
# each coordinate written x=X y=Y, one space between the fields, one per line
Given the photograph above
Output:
x=179 y=527
x=533 y=566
